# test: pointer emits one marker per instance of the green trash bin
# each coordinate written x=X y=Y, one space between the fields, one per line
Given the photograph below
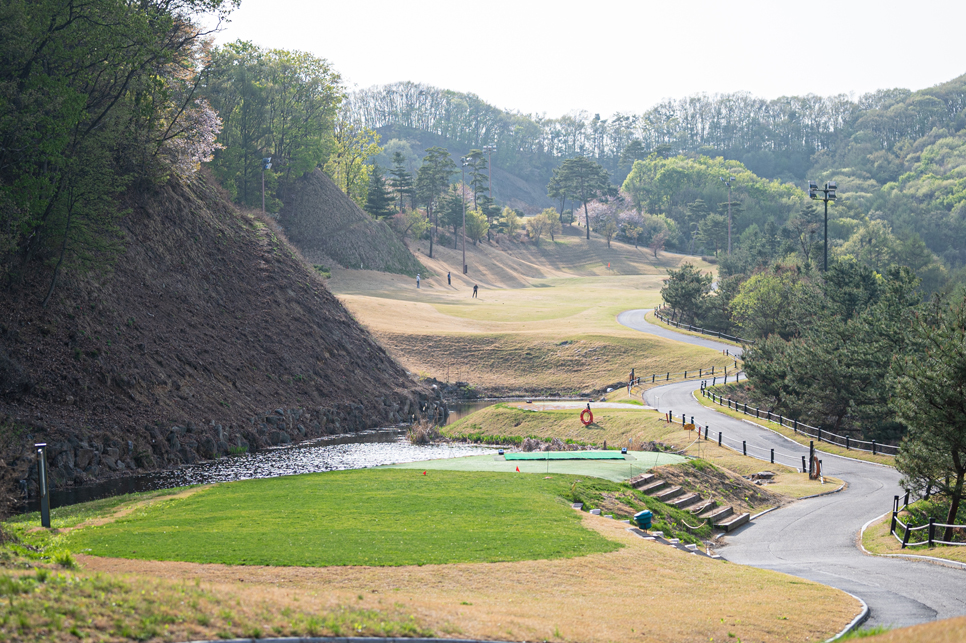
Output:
x=643 y=519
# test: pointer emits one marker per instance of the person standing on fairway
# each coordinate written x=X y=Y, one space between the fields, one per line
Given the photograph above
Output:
x=417 y=280
x=449 y=279
x=474 y=290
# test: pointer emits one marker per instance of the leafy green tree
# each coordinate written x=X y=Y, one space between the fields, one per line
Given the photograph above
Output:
x=410 y=223
x=379 y=200
x=93 y=96
x=686 y=290
x=511 y=222
x=553 y=222
x=477 y=225
x=931 y=401
x=536 y=227
x=348 y=165
x=585 y=180
x=767 y=302
x=804 y=227
x=274 y=103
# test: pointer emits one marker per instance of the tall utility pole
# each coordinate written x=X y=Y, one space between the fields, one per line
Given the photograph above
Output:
x=828 y=194
x=729 y=182
x=465 y=161
x=266 y=165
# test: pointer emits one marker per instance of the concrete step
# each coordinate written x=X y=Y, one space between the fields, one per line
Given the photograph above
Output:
x=686 y=500
x=718 y=513
x=651 y=487
x=644 y=479
x=701 y=507
x=733 y=523
x=666 y=494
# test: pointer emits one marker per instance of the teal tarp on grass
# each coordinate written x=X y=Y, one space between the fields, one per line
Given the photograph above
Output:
x=566 y=455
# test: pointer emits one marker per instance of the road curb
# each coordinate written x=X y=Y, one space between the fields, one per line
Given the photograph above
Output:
x=856 y=622
x=826 y=493
x=942 y=562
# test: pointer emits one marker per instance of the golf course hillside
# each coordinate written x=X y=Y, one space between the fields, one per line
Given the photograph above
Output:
x=206 y=323
x=543 y=321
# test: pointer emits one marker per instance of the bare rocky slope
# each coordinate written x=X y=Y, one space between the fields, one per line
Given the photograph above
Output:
x=208 y=333
x=327 y=226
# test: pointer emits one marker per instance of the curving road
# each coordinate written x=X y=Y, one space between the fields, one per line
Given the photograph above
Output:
x=817 y=538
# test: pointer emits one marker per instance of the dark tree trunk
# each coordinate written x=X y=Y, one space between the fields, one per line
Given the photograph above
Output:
x=954 y=507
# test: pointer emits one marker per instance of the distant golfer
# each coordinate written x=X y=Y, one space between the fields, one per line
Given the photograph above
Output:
x=475 y=289
x=417 y=280
x=449 y=279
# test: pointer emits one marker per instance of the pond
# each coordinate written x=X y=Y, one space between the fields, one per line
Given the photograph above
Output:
x=330 y=453
x=352 y=451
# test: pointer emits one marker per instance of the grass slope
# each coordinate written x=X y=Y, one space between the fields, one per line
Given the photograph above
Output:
x=363 y=517
x=545 y=318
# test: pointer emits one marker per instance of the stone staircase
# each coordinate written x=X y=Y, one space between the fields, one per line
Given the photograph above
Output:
x=723 y=518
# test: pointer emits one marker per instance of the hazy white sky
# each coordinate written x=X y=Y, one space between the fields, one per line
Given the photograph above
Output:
x=619 y=55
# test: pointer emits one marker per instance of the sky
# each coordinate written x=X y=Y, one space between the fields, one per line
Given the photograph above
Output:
x=609 y=56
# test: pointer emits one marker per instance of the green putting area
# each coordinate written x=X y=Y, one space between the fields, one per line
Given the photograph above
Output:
x=568 y=455
x=360 y=517
x=613 y=470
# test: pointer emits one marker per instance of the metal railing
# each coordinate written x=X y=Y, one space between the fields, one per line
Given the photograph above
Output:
x=697 y=329
x=691 y=374
x=907 y=531
x=822 y=435
x=766 y=454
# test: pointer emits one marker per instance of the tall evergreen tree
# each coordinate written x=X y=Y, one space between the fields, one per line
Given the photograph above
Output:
x=401 y=180
x=379 y=200
x=585 y=180
x=432 y=179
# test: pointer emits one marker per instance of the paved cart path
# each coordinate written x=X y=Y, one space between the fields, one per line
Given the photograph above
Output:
x=817 y=538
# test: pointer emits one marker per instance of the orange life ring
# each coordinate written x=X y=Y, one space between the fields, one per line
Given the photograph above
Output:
x=587 y=421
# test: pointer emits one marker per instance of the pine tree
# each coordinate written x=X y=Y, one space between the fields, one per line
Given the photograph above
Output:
x=379 y=200
x=402 y=180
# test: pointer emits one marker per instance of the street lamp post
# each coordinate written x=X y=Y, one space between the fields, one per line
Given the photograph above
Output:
x=828 y=194
x=266 y=165
x=465 y=162
x=729 y=182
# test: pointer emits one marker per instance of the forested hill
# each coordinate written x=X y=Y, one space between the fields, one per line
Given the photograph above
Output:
x=898 y=156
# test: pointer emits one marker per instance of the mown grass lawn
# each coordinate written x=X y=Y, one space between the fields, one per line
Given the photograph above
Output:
x=365 y=517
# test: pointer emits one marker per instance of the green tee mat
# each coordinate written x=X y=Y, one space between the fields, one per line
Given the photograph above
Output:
x=568 y=455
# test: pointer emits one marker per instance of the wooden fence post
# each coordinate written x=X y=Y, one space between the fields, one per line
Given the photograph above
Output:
x=773 y=456
x=895 y=514
x=744 y=448
x=932 y=531
x=873 y=447
x=719 y=438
